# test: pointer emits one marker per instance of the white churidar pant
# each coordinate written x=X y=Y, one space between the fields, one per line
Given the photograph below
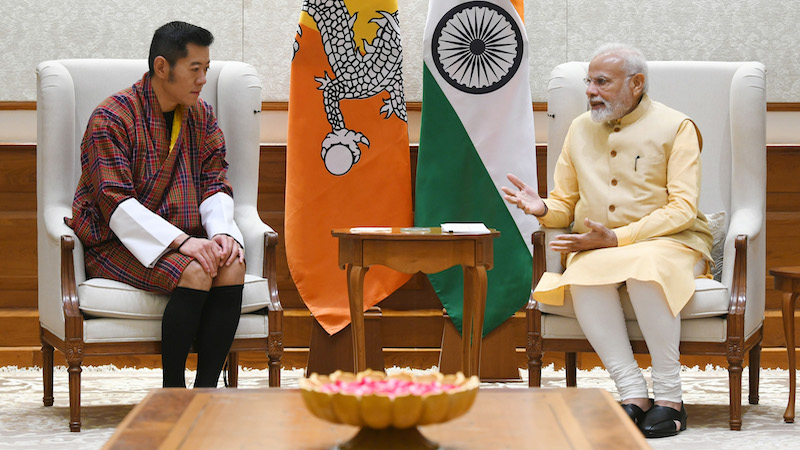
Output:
x=599 y=312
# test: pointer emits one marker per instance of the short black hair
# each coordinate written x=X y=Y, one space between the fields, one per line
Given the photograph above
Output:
x=170 y=41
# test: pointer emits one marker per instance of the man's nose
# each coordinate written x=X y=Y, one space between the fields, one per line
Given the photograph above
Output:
x=591 y=90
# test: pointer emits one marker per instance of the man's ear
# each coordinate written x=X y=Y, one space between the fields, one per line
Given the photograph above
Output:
x=637 y=84
x=161 y=67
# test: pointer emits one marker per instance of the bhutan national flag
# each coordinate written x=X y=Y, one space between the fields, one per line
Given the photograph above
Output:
x=347 y=161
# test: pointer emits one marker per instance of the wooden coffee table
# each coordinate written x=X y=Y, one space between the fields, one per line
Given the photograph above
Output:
x=277 y=418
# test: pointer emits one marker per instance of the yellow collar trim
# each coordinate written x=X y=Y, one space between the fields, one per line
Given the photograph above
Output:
x=177 y=120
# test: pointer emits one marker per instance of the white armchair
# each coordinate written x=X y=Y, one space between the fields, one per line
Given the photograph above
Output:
x=727 y=101
x=83 y=317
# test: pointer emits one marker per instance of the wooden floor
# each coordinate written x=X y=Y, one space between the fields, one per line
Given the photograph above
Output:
x=411 y=326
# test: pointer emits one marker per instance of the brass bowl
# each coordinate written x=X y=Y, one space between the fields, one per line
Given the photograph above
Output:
x=380 y=410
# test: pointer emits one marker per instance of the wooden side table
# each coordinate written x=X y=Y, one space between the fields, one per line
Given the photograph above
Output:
x=429 y=252
x=787 y=279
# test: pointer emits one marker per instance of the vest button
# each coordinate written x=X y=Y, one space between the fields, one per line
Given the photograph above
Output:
x=612 y=208
x=613 y=153
x=616 y=129
x=614 y=182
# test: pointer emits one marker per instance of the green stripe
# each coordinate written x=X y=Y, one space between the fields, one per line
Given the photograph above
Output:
x=452 y=185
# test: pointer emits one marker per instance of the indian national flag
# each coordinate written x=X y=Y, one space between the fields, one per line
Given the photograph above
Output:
x=477 y=126
x=347 y=159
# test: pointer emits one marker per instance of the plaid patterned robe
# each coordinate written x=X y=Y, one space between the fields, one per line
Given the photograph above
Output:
x=125 y=154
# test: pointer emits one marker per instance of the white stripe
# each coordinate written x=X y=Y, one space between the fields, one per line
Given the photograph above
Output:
x=499 y=123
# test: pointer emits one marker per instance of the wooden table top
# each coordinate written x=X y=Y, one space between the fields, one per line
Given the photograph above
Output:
x=786 y=271
x=277 y=418
x=787 y=278
x=397 y=233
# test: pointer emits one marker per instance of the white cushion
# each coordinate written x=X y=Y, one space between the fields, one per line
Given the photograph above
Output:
x=711 y=298
x=132 y=330
x=100 y=297
x=710 y=329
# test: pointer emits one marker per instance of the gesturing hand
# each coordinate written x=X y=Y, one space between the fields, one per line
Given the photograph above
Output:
x=230 y=249
x=205 y=251
x=598 y=237
x=525 y=197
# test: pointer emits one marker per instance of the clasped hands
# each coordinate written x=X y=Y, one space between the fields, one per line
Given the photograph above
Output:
x=220 y=250
x=528 y=200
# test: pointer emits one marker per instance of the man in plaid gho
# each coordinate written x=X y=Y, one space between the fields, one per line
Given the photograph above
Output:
x=154 y=208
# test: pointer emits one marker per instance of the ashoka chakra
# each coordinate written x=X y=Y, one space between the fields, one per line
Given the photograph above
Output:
x=477 y=47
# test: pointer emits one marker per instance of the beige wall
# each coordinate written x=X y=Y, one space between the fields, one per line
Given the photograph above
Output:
x=261 y=32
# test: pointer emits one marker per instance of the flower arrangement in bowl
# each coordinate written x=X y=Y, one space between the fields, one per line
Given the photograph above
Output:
x=384 y=405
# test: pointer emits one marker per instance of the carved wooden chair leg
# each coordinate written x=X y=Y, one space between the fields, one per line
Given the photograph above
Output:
x=735 y=385
x=571 y=368
x=534 y=353
x=233 y=369
x=755 y=373
x=533 y=346
x=535 y=370
x=47 y=373
x=74 y=371
x=275 y=353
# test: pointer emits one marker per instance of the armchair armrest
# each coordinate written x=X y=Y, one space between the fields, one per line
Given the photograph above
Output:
x=270 y=269
x=553 y=259
x=544 y=259
x=54 y=222
x=57 y=230
x=748 y=222
x=539 y=267
x=73 y=326
x=274 y=309
x=253 y=230
x=746 y=280
x=737 y=305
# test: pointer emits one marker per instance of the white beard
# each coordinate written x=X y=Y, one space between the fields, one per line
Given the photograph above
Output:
x=610 y=110
x=603 y=114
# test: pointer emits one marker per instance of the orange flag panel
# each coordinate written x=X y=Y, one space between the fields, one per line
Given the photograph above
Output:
x=375 y=190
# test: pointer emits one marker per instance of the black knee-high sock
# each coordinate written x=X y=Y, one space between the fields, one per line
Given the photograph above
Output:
x=178 y=330
x=217 y=329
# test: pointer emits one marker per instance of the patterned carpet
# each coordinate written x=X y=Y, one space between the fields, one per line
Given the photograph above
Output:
x=110 y=393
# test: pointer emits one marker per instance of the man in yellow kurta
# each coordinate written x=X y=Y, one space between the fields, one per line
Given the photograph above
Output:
x=628 y=180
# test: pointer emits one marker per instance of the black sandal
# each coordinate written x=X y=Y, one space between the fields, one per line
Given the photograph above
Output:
x=659 y=421
x=634 y=412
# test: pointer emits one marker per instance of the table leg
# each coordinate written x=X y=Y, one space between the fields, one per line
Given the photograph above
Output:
x=475 y=286
x=355 y=291
x=789 y=300
x=467 y=323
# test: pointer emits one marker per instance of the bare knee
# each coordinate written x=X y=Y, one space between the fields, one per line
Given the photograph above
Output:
x=194 y=277
x=230 y=275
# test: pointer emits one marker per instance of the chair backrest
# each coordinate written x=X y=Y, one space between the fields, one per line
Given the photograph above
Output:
x=68 y=92
x=721 y=98
x=727 y=101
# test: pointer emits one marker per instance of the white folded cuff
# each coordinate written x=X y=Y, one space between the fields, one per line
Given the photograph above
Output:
x=143 y=232
x=216 y=214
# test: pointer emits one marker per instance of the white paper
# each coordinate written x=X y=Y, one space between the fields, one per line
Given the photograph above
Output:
x=465 y=228
x=371 y=230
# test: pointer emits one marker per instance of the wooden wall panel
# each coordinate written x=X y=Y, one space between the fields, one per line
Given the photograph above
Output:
x=783 y=179
x=20 y=326
x=18 y=232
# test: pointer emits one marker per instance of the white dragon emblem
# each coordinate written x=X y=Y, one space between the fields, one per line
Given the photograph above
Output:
x=355 y=76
